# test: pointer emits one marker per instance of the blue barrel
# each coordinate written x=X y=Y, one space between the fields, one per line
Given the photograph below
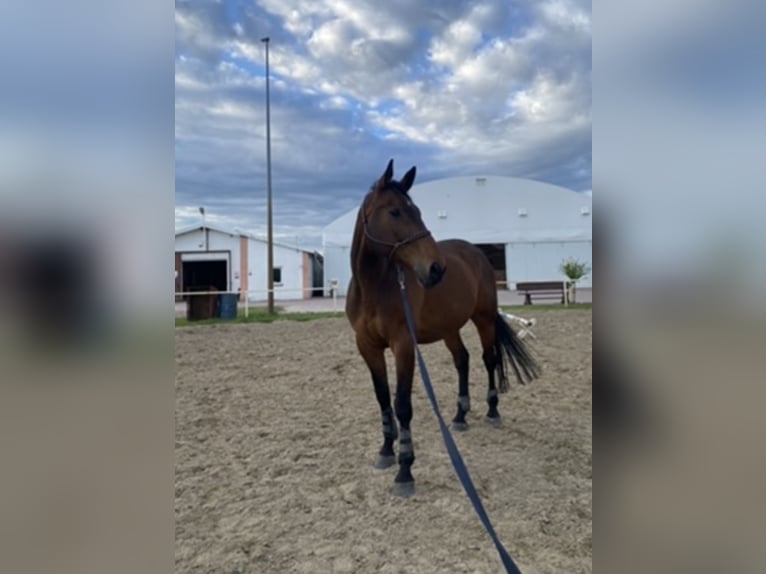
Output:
x=227 y=305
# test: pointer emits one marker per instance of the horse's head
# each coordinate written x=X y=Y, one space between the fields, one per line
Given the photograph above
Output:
x=394 y=229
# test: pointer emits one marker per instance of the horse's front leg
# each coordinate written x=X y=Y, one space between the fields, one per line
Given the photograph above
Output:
x=404 y=353
x=376 y=362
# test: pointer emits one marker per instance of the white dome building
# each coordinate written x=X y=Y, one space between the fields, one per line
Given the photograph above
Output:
x=526 y=227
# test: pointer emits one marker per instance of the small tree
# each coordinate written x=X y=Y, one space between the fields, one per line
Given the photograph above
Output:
x=574 y=271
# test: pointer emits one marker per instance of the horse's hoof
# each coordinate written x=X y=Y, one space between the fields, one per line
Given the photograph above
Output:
x=384 y=462
x=460 y=427
x=494 y=421
x=404 y=489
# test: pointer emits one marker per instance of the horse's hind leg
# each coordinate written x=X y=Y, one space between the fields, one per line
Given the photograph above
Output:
x=376 y=362
x=461 y=360
x=486 y=331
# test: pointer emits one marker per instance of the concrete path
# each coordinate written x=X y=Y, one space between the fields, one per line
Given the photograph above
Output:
x=320 y=304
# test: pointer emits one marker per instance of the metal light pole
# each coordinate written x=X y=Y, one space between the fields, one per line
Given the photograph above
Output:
x=270 y=248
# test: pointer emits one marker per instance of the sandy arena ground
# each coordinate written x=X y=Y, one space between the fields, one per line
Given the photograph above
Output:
x=277 y=428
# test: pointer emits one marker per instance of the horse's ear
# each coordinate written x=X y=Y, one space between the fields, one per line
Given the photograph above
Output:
x=388 y=174
x=408 y=179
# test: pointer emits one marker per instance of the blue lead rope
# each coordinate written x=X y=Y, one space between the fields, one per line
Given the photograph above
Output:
x=454 y=453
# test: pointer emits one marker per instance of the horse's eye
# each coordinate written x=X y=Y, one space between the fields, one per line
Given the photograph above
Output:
x=395 y=212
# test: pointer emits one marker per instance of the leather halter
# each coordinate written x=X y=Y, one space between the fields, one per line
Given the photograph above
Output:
x=394 y=245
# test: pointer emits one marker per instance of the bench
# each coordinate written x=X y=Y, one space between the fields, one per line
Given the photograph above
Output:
x=541 y=290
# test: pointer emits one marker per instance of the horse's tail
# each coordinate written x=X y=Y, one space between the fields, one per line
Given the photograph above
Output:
x=509 y=346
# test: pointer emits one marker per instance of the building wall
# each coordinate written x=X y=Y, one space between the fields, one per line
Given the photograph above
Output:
x=248 y=260
x=290 y=260
x=539 y=224
x=523 y=261
x=337 y=265
x=541 y=261
x=308 y=273
x=244 y=274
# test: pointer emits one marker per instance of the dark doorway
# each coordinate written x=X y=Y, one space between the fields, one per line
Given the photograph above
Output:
x=317 y=274
x=495 y=252
x=205 y=274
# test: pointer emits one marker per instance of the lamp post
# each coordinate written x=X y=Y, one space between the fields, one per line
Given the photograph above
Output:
x=270 y=246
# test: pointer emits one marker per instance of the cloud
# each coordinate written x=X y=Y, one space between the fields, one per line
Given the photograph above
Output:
x=454 y=88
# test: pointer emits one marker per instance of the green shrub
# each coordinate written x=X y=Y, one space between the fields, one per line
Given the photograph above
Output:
x=574 y=269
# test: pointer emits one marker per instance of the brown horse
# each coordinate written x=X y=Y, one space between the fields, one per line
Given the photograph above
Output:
x=449 y=282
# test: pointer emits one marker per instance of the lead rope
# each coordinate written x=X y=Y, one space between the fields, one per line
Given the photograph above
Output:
x=454 y=454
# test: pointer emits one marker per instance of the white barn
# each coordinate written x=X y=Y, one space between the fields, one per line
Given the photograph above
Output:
x=231 y=260
x=526 y=227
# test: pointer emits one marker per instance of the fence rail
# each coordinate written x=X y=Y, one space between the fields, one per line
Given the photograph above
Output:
x=262 y=294
x=510 y=285
x=247 y=300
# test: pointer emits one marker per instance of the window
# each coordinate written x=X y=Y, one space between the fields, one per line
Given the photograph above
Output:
x=277 y=276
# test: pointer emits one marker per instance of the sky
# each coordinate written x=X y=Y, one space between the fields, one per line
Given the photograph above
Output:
x=453 y=87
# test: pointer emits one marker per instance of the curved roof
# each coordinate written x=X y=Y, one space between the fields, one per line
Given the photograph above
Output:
x=491 y=209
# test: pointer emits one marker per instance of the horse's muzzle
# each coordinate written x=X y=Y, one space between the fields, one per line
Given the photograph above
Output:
x=435 y=274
